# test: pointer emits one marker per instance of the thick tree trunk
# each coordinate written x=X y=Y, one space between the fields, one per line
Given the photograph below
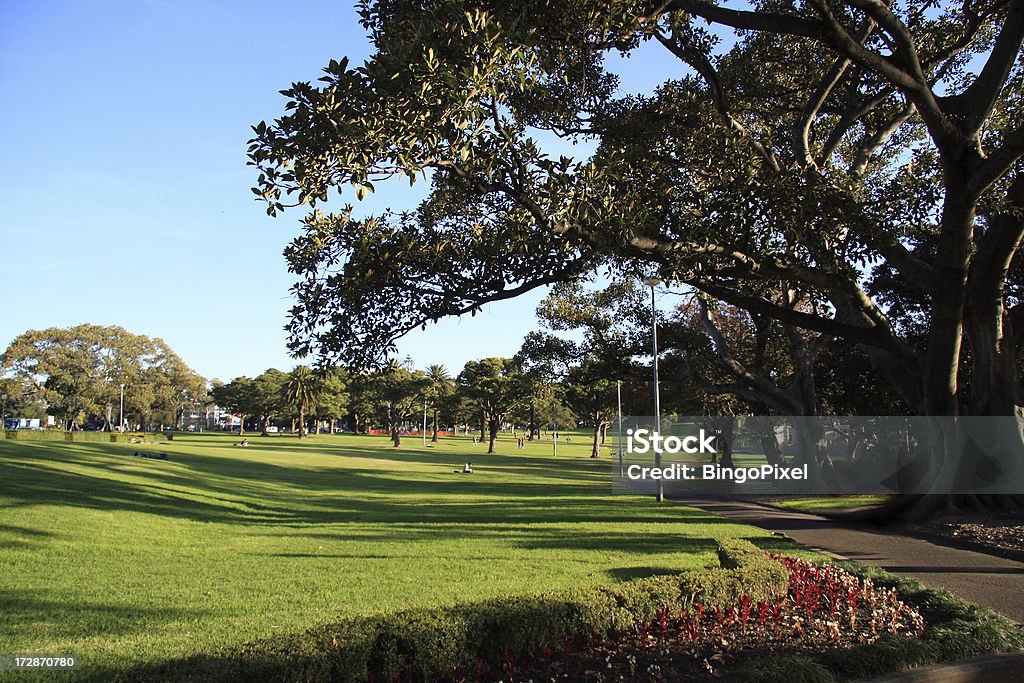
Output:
x=394 y=427
x=902 y=374
x=995 y=383
x=533 y=421
x=949 y=282
x=968 y=301
x=723 y=440
x=302 y=422
x=264 y=425
x=594 y=452
x=434 y=438
x=820 y=468
x=494 y=424
x=772 y=449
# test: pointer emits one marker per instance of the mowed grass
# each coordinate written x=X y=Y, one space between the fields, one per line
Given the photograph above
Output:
x=126 y=560
x=832 y=503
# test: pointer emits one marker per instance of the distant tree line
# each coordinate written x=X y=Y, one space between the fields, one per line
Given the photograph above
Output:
x=716 y=360
x=76 y=375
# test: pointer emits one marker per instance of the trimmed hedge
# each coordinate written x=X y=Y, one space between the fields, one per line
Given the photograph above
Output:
x=954 y=629
x=33 y=435
x=418 y=643
x=421 y=642
x=92 y=437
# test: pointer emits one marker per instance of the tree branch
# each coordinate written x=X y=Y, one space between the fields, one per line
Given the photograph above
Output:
x=915 y=86
x=839 y=38
x=737 y=369
x=854 y=113
x=903 y=41
x=878 y=138
x=871 y=336
x=917 y=272
x=978 y=100
x=802 y=128
x=996 y=250
x=998 y=162
x=703 y=66
x=785 y=24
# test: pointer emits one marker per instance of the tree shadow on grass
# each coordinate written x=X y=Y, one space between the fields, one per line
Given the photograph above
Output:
x=630 y=573
x=216 y=489
x=70 y=620
x=24 y=536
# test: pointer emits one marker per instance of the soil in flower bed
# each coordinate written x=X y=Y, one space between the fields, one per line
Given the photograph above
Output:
x=827 y=607
x=996 y=533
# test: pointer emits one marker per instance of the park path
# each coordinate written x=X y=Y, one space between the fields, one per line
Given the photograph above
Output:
x=985 y=579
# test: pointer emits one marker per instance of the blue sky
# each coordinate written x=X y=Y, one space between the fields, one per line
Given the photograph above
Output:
x=127 y=194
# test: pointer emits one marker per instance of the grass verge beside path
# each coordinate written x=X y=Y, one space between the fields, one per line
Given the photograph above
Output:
x=827 y=504
x=128 y=561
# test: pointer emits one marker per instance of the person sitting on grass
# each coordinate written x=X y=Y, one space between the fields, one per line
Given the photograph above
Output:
x=466 y=469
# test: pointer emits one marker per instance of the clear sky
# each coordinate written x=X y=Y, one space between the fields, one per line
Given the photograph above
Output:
x=127 y=198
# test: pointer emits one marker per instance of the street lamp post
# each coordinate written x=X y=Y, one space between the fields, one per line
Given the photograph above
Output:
x=3 y=413
x=618 y=394
x=120 y=412
x=653 y=282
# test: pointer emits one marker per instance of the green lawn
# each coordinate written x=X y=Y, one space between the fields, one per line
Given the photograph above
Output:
x=125 y=560
x=832 y=503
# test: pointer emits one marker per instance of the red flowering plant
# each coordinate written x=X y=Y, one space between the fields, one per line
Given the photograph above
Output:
x=826 y=607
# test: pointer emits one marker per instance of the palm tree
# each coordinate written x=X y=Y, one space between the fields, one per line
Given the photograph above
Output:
x=300 y=390
x=441 y=386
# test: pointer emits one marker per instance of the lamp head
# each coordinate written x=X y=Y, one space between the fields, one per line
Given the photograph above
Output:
x=652 y=281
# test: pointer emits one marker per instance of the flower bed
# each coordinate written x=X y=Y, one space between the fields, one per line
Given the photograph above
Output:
x=827 y=607
x=757 y=618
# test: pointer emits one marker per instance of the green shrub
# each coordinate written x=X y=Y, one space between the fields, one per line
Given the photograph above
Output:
x=888 y=654
x=94 y=437
x=422 y=642
x=81 y=436
x=520 y=625
x=34 y=435
x=419 y=643
x=784 y=669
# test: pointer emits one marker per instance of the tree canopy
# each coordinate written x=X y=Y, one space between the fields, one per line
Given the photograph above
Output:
x=396 y=392
x=301 y=391
x=78 y=372
x=803 y=145
x=496 y=386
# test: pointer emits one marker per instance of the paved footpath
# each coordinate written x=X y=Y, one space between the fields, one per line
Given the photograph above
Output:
x=984 y=579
